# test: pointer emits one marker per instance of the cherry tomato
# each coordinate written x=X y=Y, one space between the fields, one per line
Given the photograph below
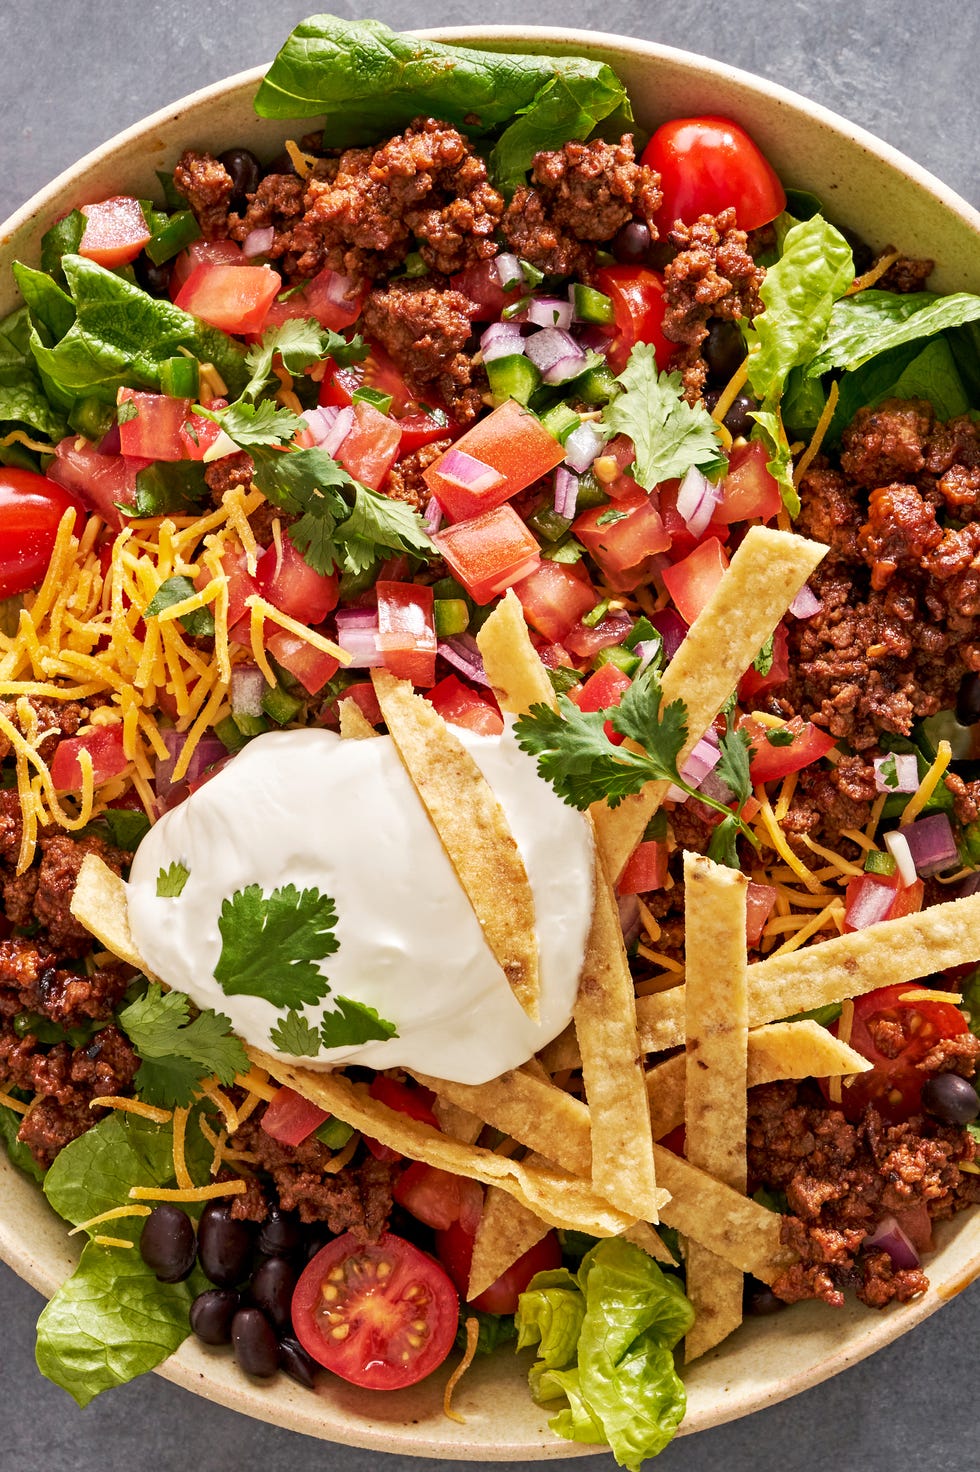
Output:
x=439 y=1198
x=455 y=1249
x=378 y=1314
x=895 y=1036
x=31 y=507
x=637 y=295
x=410 y=1099
x=708 y=164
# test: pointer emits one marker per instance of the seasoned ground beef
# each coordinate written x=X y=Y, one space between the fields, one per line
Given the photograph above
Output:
x=404 y=480
x=579 y=195
x=208 y=188
x=425 y=327
x=31 y=980
x=905 y=274
x=828 y=800
x=61 y=859
x=228 y=473
x=840 y=1180
x=47 y=722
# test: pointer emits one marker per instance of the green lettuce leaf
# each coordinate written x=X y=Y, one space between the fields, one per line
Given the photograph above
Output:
x=23 y=402
x=95 y=1172
x=19 y=1154
x=872 y=322
x=605 y=1340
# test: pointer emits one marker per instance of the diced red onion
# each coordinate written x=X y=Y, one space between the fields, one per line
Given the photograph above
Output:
x=466 y=471
x=898 y=846
x=806 y=603
x=339 y=289
x=356 y=618
x=555 y=353
x=648 y=650
x=566 y=493
x=509 y=271
x=340 y=429
x=357 y=633
x=432 y=520
x=501 y=340
x=715 y=786
x=547 y=311
x=671 y=628
x=462 y=653
x=931 y=844
x=697 y=499
x=889 y=1235
x=582 y=446
x=207 y=751
x=629 y=917
x=258 y=242
x=970 y=885
x=247 y=688
x=703 y=759
x=906 y=772
x=873 y=903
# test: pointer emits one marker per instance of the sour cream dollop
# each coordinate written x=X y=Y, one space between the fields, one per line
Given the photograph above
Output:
x=309 y=809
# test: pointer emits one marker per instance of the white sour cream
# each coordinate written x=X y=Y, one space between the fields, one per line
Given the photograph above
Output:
x=306 y=808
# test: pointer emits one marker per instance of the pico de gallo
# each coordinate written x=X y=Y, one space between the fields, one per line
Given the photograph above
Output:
x=304 y=417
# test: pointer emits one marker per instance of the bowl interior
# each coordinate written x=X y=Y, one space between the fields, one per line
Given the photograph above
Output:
x=866 y=186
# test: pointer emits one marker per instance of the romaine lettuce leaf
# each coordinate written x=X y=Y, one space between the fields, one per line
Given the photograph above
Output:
x=23 y=402
x=19 y=1154
x=872 y=322
x=910 y=371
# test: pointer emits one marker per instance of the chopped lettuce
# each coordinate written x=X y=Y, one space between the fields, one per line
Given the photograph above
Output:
x=605 y=1341
x=872 y=322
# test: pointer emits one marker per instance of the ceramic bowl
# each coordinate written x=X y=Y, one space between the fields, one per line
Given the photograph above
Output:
x=865 y=185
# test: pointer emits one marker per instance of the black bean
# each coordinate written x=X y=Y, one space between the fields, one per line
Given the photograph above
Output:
x=723 y=349
x=317 y=1236
x=153 y=278
x=272 y=1289
x=280 y=1233
x=224 y=1245
x=244 y=169
x=950 y=1098
x=737 y=420
x=255 y=1344
x=297 y=1364
x=167 y=1243
x=631 y=243
x=968 y=700
x=212 y=1313
x=759 y=1299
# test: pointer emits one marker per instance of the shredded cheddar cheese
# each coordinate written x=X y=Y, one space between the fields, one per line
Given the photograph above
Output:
x=928 y=785
x=112 y=1215
x=113 y=1241
x=131 y=1106
x=192 y=1193
x=823 y=424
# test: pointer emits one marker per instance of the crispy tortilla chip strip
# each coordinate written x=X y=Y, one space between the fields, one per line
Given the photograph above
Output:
x=649 y=1239
x=354 y=724
x=552 y=1194
x=715 y=1055
x=529 y=1109
x=765 y=575
x=849 y=965
x=734 y=1227
x=506 y=1231
x=99 y=903
x=779 y=1050
x=472 y=828
x=605 y=1012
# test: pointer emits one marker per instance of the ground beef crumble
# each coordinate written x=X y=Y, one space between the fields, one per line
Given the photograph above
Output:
x=425 y=327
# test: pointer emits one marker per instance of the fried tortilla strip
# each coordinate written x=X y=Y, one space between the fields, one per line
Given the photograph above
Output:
x=765 y=575
x=100 y=904
x=605 y=1012
x=354 y=724
x=734 y=1227
x=553 y=1194
x=716 y=1048
x=649 y=1239
x=506 y=1231
x=531 y=1109
x=849 y=965
x=780 y=1050
x=472 y=828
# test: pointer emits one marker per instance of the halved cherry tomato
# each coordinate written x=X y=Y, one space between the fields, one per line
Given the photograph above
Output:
x=707 y=164
x=103 y=482
x=637 y=295
x=115 y=231
x=324 y=298
x=233 y=298
x=600 y=691
x=461 y=705
x=771 y=763
x=439 y=1198
x=293 y=586
x=481 y=284
x=371 y=446
x=406 y=631
x=895 y=1036
x=199 y=252
x=395 y=1307
x=691 y=583
x=31 y=508
x=623 y=536
x=646 y=867
x=312 y=667
x=105 y=747
x=490 y=552
x=455 y=1249
x=291 y=1119
x=512 y=441
x=554 y=598
x=749 y=488
x=410 y=1099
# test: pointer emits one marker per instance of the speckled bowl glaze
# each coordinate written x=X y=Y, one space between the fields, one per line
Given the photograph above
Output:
x=865 y=185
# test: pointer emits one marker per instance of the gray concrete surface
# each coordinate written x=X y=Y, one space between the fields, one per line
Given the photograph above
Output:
x=75 y=72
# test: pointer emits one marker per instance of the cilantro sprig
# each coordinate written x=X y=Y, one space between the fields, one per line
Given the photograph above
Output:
x=177 y=1052
x=670 y=435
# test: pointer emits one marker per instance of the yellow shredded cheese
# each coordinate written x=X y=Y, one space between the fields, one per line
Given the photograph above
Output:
x=191 y=1193
x=17 y=1105
x=112 y=1215
x=843 y=865
x=930 y=994
x=302 y=162
x=844 y=1027
x=181 y=1174
x=823 y=424
x=731 y=391
x=469 y=1354
x=113 y=1241
x=776 y=838
x=310 y=636
x=928 y=785
x=131 y=1106
x=875 y=273
x=257 y=1081
x=228 y=1111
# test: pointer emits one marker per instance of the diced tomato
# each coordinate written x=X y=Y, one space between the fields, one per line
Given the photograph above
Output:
x=682 y=540
x=752 y=683
x=371 y=446
x=637 y=295
x=602 y=690
x=406 y=631
x=552 y=656
x=554 y=598
x=410 y=1099
x=771 y=763
x=439 y=1198
x=199 y=252
x=623 y=535
x=419 y=425
x=759 y=901
x=310 y=666
x=197 y=434
x=231 y=297
x=104 y=745
x=324 y=298
x=621 y=449
x=291 y=1119
x=150 y=424
x=691 y=583
x=362 y=693
x=646 y=867
x=115 y=231
x=461 y=705
x=455 y=1249
x=585 y=642
x=510 y=440
x=489 y=553
x=292 y=585
x=481 y=284
x=874 y=898
x=708 y=164
x=103 y=482
x=241 y=584
x=31 y=508
x=749 y=489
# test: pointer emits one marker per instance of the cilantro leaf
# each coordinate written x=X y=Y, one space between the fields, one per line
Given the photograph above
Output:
x=200 y=621
x=126 y=827
x=733 y=768
x=170 y=882
x=379 y=526
x=300 y=342
x=610 y=517
x=762 y=663
x=295 y=1035
x=781 y=736
x=662 y=734
x=178 y=1054
x=354 y=1022
x=669 y=434
x=270 y=944
x=722 y=845
x=256 y=424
